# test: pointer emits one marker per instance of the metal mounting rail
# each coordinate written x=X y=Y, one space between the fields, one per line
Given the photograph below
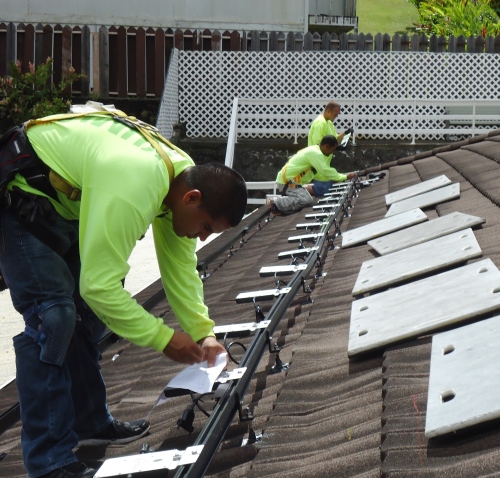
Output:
x=9 y=416
x=231 y=401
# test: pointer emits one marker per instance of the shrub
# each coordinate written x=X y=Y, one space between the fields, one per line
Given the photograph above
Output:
x=32 y=94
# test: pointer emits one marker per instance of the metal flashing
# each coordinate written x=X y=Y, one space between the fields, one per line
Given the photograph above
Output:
x=417 y=189
x=411 y=236
x=464 y=378
x=423 y=306
x=382 y=227
x=415 y=261
x=430 y=198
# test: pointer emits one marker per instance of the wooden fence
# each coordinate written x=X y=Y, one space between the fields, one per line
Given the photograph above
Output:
x=131 y=62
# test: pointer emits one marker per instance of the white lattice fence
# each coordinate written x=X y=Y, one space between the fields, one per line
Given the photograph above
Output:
x=209 y=81
x=168 y=113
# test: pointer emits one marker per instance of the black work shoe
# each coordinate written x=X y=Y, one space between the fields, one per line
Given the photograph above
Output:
x=75 y=470
x=118 y=433
x=274 y=209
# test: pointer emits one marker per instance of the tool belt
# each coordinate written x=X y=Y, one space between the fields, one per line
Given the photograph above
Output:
x=294 y=182
x=17 y=156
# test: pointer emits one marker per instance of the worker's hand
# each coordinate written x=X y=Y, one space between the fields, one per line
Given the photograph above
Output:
x=183 y=349
x=349 y=131
x=212 y=349
x=351 y=175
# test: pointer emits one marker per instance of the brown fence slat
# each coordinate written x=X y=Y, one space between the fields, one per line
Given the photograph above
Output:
x=235 y=41
x=66 y=50
x=20 y=47
x=179 y=39
x=131 y=61
x=159 y=61
x=76 y=58
x=48 y=43
x=169 y=46
x=57 y=54
x=104 y=61
x=140 y=62
x=85 y=61
x=29 y=45
x=122 y=84
x=216 y=41
x=150 y=61
x=190 y=40
x=39 y=59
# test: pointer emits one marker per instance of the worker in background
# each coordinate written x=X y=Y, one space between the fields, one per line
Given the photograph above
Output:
x=307 y=164
x=321 y=127
x=64 y=256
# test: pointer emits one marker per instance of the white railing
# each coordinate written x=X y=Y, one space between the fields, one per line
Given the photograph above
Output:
x=410 y=119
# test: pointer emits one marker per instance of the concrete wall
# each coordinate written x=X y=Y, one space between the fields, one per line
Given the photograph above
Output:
x=276 y=15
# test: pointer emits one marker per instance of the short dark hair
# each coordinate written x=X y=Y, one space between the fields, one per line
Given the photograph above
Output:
x=223 y=191
x=331 y=105
x=329 y=140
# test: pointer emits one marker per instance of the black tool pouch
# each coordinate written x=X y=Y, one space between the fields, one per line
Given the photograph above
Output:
x=18 y=156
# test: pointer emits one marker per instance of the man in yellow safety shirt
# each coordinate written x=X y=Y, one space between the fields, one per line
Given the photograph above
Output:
x=321 y=127
x=307 y=164
x=64 y=257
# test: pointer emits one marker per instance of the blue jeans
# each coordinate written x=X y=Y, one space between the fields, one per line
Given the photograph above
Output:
x=321 y=187
x=61 y=391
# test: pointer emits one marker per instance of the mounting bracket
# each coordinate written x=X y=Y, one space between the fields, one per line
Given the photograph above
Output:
x=133 y=465
x=269 y=294
x=297 y=253
x=311 y=225
x=269 y=271
x=306 y=237
x=235 y=328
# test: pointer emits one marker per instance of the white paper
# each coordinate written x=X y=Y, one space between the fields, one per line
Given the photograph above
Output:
x=198 y=378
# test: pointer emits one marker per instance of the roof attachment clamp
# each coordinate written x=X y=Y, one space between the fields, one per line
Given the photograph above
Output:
x=274 y=348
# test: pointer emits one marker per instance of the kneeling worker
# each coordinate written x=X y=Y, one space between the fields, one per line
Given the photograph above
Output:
x=309 y=163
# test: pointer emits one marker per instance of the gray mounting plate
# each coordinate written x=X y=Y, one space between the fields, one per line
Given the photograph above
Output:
x=422 y=306
x=269 y=294
x=417 y=189
x=426 y=199
x=381 y=227
x=456 y=221
x=417 y=260
x=464 y=379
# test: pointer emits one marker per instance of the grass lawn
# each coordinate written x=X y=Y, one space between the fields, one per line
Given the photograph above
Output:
x=386 y=16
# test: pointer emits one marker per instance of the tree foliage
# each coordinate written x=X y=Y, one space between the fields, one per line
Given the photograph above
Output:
x=459 y=17
x=32 y=94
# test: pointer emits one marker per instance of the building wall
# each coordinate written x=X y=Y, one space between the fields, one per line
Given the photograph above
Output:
x=276 y=15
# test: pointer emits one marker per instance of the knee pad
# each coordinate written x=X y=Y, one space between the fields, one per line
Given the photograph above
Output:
x=58 y=324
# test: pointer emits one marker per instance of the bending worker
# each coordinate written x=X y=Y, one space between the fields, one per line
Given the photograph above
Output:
x=64 y=256
x=323 y=126
x=307 y=164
